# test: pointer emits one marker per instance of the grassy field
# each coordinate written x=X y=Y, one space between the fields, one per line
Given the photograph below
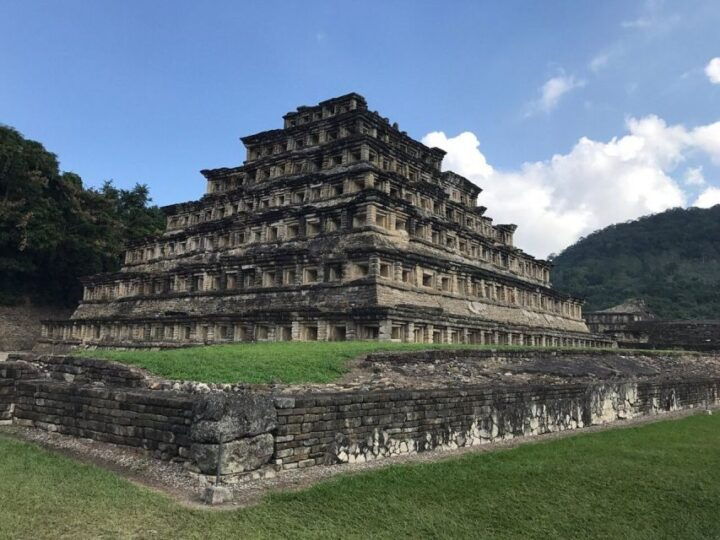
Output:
x=661 y=480
x=285 y=361
x=268 y=362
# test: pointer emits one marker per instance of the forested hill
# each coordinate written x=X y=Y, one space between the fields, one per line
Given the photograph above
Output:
x=54 y=230
x=672 y=260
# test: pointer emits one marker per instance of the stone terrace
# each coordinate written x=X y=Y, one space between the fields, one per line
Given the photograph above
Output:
x=338 y=226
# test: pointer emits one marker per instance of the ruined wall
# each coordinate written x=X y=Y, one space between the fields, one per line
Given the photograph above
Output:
x=11 y=373
x=156 y=421
x=691 y=335
x=104 y=401
x=242 y=433
x=20 y=326
x=89 y=370
x=364 y=426
x=7 y=401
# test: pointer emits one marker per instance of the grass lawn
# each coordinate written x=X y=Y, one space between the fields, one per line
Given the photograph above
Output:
x=286 y=362
x=660 y=480
x=267 y=362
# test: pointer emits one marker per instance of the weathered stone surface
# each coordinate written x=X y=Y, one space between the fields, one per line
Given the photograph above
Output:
x=359 y=425
x=356 y=427
x=88 y=370
x=236 y=456
x=214 y=495
x=221 y=417
x=20 y=325
x=156 y=421
x=337 y=226
x=633 y=325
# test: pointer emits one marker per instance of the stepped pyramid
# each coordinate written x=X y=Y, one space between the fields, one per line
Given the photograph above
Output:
x=336 y=227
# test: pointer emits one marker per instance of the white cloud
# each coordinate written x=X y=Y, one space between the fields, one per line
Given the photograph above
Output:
x=552 y=91
x=599 y=62
x=709 y=197
x=640 y=22
x=463 y=154
x=653 y=18
x=707 y=138
x=609 y=54
x=712 y=70
x=597 y=183
x=694 y=177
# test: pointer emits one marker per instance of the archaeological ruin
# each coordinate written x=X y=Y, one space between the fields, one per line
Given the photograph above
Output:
x=400 y=403
x=633 y=325
x=338 y=226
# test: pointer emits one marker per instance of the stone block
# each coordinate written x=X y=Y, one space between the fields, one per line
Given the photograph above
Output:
x=214 y=495
x=225 y=417
x=246 y=454
x=284 y=402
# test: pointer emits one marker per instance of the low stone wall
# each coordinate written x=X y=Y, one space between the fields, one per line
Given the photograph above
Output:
x=7 y=401
x=363 y=426
x=699 y=335
x=108 y=402
x=89 y=370
x=445 y=355
x=239 y=433
x=11 y=373
x=156 y=421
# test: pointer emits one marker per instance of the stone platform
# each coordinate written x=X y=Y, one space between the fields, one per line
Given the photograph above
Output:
x=390 y=404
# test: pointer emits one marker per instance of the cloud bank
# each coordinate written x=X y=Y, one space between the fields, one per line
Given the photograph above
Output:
x=709 y=197
x=556 y=201
x=712 y=70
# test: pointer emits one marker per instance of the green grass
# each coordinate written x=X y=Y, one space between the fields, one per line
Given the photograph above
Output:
x=286 y=362
x=656 y=481
x=281 y=362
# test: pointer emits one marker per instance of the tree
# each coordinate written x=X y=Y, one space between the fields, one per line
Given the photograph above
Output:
x=54 y=230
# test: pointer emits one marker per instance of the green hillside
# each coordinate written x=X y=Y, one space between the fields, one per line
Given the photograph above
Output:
x=672 y=260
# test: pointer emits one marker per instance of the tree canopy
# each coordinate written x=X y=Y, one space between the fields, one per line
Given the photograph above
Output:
x=54 y=230
x=671 y=260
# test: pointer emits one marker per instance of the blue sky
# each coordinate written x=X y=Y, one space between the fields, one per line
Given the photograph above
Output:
x=557 y=109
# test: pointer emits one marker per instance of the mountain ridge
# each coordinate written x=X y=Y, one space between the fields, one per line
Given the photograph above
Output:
x=670 y=259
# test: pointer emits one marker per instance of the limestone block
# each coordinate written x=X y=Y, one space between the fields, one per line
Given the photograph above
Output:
x=225 y=417
x=241 y=455
x=214 y=495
